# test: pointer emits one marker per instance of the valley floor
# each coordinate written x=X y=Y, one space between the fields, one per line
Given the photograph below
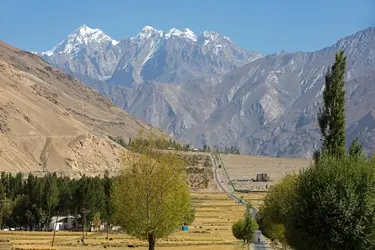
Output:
x=215 y=214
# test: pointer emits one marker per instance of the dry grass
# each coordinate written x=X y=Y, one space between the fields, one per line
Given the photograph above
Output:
x=255 y=199
x=215 y=214
x=34 y=247
x=192 y=247
x=247 y=166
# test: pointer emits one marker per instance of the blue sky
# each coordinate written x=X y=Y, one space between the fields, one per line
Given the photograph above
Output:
x=264 y=25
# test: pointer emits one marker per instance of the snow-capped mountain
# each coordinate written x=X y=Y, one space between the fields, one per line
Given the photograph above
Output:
x=90 y=52
x=203 y=88
x=186 y=33
x=87 y=51
x=79 y=39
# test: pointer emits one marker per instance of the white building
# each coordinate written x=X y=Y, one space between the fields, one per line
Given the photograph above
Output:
x=62 y=223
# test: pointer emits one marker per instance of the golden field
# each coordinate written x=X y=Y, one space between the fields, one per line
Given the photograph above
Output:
x=211 y=230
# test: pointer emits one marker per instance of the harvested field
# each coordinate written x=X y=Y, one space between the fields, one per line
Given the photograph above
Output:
x=255 y=199
x=215 y=214
x=247 y=166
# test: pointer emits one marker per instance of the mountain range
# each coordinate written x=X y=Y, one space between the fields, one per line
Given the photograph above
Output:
x=204 y=89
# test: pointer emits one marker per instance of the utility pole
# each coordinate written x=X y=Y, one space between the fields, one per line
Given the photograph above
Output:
x=85 y=212
x=54 y=230
x=107 y=228
x=3 y=203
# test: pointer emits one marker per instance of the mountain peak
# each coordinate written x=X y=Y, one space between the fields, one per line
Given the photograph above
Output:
x=186 y=33
x=83 y=35
x=147 y=32
x=148 y=28
x=83 y=27
x=211 y=35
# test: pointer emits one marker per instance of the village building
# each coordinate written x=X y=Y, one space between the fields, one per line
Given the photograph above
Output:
x=62 y=223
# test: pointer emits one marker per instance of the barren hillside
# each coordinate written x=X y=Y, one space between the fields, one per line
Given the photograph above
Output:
x=51 y=122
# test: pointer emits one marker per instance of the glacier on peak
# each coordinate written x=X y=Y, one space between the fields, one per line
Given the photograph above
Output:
x=148 y=28
x=187 y=33
x=147 y=32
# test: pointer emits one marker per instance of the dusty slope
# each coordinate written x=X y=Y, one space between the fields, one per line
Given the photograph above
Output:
x=51 y=122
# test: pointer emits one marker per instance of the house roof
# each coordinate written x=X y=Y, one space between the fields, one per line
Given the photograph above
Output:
x=60 y=218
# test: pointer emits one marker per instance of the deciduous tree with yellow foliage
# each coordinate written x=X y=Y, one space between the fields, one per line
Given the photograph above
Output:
x=152 y=198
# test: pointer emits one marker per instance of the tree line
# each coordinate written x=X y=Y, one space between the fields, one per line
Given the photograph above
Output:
x=166 y=143
x=157 y=143
x=330 y=205
x=30 y=202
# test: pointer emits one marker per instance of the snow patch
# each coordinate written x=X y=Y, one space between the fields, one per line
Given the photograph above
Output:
x=186 y=33
x=47 y=53
x=218 y=48
x=153 y=48
x=146 y=33
x=242 y=113
x=211 y=35
x=320 y=92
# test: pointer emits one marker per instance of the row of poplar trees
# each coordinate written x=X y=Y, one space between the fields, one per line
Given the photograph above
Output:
x=30 y=202
x=330 y=205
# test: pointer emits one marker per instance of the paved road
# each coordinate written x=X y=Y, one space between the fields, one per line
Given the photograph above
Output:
x=254 y=211
x=262 y=244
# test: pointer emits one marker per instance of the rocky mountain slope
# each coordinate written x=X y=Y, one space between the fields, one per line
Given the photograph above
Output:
x=51 y=122
x=141 y=64
x=205 y=89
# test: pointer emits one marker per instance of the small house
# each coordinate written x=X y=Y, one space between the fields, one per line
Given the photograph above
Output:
x=62 y=223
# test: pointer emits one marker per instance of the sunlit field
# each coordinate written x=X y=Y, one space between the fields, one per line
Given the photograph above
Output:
x=215 y=214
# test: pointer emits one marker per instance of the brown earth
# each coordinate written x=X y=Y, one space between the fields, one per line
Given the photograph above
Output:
x=248 y=166
x=51 y=122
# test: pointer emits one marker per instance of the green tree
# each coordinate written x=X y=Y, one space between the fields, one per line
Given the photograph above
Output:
x=331 y=117
x=108 y=202
x=335 y=205
x=250 y=226
x=190 y=216
x=237 y=229
x=276 y=209
x=356 y=149
x=245 y=228
x=152 y=198
x=51 y=192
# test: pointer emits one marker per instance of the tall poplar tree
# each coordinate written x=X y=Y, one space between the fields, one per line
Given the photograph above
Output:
x=331 y=117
